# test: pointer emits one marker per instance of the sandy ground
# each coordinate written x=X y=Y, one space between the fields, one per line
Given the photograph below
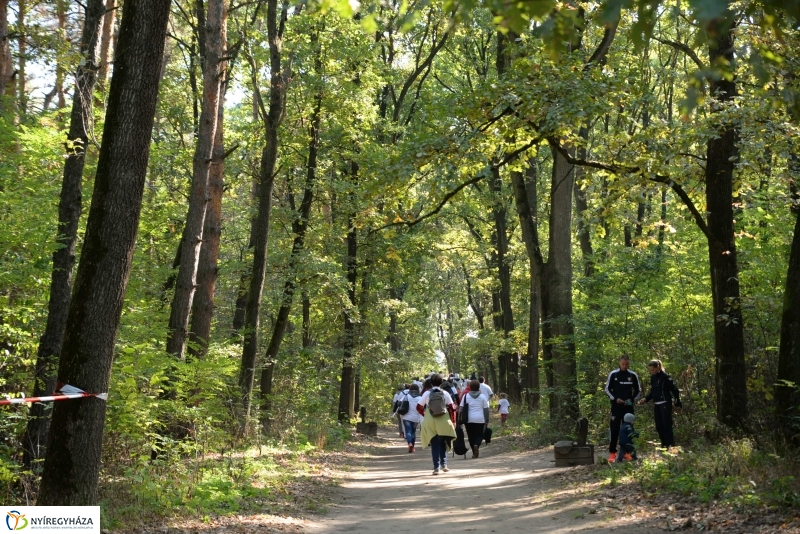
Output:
x=394 y=492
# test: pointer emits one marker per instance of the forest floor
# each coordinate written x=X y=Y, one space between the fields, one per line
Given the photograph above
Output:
x=376 y=486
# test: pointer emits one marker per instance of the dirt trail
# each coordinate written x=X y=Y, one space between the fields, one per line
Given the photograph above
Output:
x=394 y=492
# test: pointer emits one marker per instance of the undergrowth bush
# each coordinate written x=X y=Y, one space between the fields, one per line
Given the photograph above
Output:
x=734 y=471
x=218 y=484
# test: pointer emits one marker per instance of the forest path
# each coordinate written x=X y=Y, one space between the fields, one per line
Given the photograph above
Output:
x=501 y=492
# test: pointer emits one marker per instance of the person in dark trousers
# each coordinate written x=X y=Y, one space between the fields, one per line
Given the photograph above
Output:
x=623 y=388
x=663 y=392
x=476 y=405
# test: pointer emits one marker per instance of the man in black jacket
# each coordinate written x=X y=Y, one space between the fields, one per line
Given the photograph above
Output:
x=663 y=392
x=623 y=388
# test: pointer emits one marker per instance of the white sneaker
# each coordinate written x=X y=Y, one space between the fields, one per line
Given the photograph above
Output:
x=445 y=469
x=436 y=471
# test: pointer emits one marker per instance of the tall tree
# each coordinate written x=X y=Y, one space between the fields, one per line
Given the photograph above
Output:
x=203 y=303
x=347 y=384
x=299 y=228
x=72 y=463
x=525 y=197
x=787 y=387
x=6 y=62
x=508 y=362
x=211 y=39
x=558 y=329
x=279 y=79
x=22 y=57
x=721 y=156
x=69 y=212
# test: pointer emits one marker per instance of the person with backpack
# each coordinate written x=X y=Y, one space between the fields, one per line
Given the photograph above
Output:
x=438 y=423
x=408 y=412
x=474 y=410
x=448 y=386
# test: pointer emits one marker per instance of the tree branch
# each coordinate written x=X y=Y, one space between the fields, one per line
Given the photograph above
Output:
x=698 y=218
x=600 y=53
x=685 y=49
x=684 y=196
x=474 y=180
x=419 y=70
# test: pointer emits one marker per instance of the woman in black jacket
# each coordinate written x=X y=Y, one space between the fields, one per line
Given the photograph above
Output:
x=663 y=392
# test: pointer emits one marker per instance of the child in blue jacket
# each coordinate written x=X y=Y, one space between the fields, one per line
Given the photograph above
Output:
x=626 y=435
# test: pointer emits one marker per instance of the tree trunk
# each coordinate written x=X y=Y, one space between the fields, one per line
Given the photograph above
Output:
x=509 y=363
x=308 y=340
x=476 y=308
x=106 y=45
x=356 y=391
x=662 y=228
x=346 y=391
x=241 y=301
x=72 y=464
x=203 y=305
x=6 y=62
x=558 y=329
x=269 y=158
x=299 y=228
x=244 y=278
x=69 y=212
x=61 y=15
x=787 y=388
x=22 y=50
x=212 y=46
x=266 y=396
x=721 y=154
x=394 y=336
x=525 y=196
x=582 y=209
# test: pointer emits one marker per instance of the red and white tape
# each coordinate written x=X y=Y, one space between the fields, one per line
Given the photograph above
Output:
x=66 y=392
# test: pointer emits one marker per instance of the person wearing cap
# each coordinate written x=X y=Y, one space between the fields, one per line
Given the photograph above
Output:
x=626 y=435
x=622 y=387
x=663 y=392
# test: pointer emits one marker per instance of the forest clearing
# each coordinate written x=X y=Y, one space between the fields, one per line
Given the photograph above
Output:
x=230 y=228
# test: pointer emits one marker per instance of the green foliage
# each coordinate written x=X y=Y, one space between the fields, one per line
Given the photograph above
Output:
x=240 y=482
x=734 y=471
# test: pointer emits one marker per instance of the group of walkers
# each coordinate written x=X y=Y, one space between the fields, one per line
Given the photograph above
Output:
x=440 y=407
x=624 y=390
